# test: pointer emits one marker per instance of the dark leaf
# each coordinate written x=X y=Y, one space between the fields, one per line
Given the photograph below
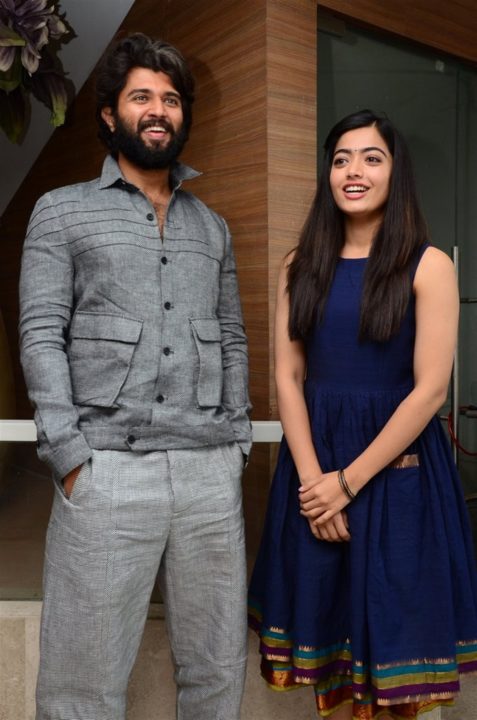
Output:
x=11 y=78
x=13 y=115
x=51 y=90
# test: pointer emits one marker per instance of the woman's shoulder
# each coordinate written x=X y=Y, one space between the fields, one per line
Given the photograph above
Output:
x=434 y=265
x=287 y=260
x=285 y=263
x=432 y=257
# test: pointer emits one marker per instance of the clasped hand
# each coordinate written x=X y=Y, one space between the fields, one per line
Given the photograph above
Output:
x=322 y=503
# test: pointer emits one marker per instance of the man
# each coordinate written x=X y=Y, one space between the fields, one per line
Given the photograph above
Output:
x=135 y=358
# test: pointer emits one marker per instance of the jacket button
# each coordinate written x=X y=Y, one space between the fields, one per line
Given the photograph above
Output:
x=167 y=351
x=150 y=216
x=167 y=305
x=131 y=439
x=164 y=260
x=160 y=398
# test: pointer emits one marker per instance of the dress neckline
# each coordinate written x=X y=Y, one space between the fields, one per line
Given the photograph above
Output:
x=360 y=259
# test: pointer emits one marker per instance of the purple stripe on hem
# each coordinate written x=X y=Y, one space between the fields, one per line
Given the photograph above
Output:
x=470 y=666
x=415 y=690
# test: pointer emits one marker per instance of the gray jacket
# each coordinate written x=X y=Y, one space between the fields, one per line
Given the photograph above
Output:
x=130 y=340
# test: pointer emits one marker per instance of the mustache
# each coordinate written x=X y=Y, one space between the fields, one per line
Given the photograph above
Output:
x=145 y=124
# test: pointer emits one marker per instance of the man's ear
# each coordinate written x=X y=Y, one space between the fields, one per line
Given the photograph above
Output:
x=107 y=115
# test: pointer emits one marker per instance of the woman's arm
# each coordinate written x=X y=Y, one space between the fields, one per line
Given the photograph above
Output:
x=290 y=370
x=437 y=311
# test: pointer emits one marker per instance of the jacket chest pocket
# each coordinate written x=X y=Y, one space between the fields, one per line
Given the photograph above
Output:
x=100 y=352
x=207 y=339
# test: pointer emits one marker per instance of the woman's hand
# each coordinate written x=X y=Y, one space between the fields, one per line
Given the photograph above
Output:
x=323 y=499
x=335 y=530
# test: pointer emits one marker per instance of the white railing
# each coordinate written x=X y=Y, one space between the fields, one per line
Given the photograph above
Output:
x=25 y=431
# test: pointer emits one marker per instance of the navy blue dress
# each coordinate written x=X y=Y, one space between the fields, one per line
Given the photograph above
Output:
x=388 y=620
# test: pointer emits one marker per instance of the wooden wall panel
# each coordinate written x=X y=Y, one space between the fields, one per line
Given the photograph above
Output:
x=225 y=45
x=291 y=134
x=255 y=133
x=447 y=25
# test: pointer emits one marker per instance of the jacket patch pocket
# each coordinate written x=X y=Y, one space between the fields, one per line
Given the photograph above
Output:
x=101 y=348
x=207 y=338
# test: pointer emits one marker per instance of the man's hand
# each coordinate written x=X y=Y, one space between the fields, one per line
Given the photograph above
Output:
x=70 y=479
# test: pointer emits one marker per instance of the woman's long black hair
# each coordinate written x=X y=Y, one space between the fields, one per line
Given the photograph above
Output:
x=387 y=282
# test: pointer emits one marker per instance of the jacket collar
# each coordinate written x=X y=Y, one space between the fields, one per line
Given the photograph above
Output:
x=111 y=175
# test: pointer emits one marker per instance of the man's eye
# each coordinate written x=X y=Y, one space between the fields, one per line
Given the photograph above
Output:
x=172 y=101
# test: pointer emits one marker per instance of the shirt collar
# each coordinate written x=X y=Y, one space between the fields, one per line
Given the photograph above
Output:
x=111 y=175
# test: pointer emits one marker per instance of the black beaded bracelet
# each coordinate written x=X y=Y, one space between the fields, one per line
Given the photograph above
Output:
x=344 y=485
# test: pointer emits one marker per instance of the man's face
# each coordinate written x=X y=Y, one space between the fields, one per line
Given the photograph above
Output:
x=147 y=125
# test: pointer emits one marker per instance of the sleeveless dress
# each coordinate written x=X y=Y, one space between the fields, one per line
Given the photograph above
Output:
x=388 y=620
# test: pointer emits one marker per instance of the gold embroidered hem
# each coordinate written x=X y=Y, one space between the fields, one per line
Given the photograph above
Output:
x=400 y=690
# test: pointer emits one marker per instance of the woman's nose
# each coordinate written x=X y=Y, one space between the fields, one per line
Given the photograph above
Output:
x=355 y=167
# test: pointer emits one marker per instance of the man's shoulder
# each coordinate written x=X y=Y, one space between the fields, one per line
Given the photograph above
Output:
x=75 y=192
x=62 y=202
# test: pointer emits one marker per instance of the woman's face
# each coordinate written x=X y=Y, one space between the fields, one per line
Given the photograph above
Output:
x=360 y=173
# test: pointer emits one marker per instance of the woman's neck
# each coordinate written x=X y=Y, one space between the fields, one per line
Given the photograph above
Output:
x=359 y=236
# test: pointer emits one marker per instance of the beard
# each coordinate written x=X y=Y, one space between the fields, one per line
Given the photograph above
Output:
x=147 y=157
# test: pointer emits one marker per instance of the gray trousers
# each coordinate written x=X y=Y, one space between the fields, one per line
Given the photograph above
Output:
x=130 y=516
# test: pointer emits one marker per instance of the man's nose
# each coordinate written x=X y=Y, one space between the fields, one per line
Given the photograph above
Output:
x=157 y=107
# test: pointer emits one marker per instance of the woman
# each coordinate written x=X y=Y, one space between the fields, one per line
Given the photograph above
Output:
x=365 y=583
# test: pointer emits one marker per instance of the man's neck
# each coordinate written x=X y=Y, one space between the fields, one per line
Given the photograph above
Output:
x=153 y=183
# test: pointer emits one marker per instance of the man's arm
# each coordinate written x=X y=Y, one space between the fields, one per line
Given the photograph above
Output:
x=234 y=350
x=46 y=300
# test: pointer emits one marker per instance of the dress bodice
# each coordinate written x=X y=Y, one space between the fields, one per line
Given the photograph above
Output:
x=336 y=356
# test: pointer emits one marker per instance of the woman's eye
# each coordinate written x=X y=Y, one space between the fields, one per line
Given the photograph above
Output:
x=373 y=159
x=339 y=161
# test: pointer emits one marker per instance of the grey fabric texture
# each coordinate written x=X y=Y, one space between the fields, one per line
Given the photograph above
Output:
x=131 y=515
x=130 y=340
